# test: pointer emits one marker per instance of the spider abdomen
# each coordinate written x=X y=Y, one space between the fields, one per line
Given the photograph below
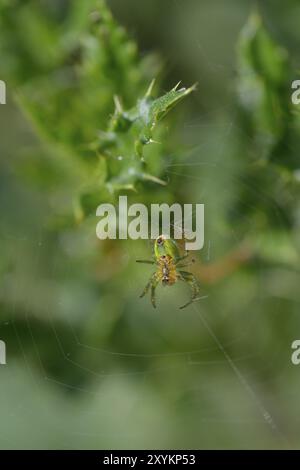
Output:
x=167 y=270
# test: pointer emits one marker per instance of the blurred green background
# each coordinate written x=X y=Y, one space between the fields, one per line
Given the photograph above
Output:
x=89 y=363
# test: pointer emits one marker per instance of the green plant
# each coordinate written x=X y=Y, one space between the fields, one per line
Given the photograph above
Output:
x=67 y=84
x=82 y=128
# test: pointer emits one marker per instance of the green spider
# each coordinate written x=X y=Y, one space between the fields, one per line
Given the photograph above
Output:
x=168 y=263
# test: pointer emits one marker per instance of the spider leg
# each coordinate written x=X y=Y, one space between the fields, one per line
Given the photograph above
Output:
x=153 y=287
x=189 y=263
x=148 y=285
x=152 y=283
x=191 y=280
x=146 y=261
x=181 y=258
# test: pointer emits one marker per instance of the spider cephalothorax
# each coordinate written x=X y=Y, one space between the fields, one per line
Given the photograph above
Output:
x=169 y=264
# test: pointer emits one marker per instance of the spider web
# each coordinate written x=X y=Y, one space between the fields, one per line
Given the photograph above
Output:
x=236 y=370
x=192 y=358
